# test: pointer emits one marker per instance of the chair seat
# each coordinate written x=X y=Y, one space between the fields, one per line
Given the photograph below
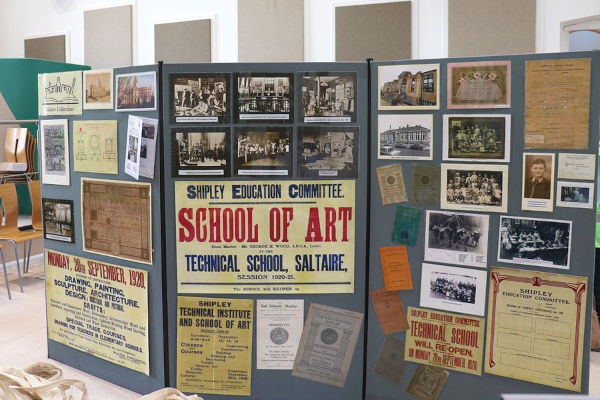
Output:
x=20 y=236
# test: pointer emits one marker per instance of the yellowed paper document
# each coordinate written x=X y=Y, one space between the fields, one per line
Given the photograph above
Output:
x=95 y=147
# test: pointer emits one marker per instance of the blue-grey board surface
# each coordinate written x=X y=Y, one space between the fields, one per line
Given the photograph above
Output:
x=273 y=384
x=108 y=371
x=461 y=385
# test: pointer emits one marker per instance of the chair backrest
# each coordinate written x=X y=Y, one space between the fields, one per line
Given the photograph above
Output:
x=10 y=203
x=31 y=142
x=35 y=192
x=15 y=145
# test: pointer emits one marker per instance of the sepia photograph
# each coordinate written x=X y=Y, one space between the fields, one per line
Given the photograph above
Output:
x=458 y=238
x=409 y=87
x=97 y=86
x=453 y=289
x=136 y=91
x=199 y=97
x=538 y=182
x=200 y=151
x=328 y=97
x=405 y=136
x=264 y=97
x=476 y=187
x=327 y=152
x=481 y=84
x=262 y=151
x=55 y=151
x=58 y=220
x=575 y=194
x=477 y=137
x=534 y=241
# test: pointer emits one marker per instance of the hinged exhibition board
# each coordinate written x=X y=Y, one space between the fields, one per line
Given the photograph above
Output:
x=103 y=239
x=265 y=214
x=498 y=157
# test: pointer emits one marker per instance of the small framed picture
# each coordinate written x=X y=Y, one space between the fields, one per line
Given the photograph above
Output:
x=327 y=152
x=409 y=87
x=575 y=194
x=538 y=182
x=136 y=91
x=477 y=137
x=535 y=241
x=98 y=89
x=200 y=152
x=58 y=220
x=477 y=187
x=200 y=98
x=327 y=97
x=480 y=84
x=453 y=289
x=405 y=136
x=54 y=134
x=264 y=97
x=262 y=151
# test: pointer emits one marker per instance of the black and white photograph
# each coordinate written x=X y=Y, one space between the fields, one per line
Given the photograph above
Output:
x=148 y=147
x=263 y=151
x=55 y=151
x=453 y=289
x=538 y=182
x=199 y=97
x=409 y=87
x=200 y=151
x=457 y=238
x=476 y=187
x=264 y=97
x=58 y=220
x=575 y=194
x=477 y=137
x=327 y=152
x=328 y=97
x=405 y=136
x=534 y=241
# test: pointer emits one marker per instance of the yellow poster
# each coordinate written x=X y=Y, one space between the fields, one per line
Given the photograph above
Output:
x=444 y=340
x=536 y=327
x=98 y=308
x=95 y=147
x=285 y=237
x=214 y=345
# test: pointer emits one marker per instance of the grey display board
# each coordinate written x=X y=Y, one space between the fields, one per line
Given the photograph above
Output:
x=460 y=385
x=271 y=384
x=116 y=374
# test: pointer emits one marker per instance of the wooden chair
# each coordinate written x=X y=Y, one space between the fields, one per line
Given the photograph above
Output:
x=9 y=231
x=35 y=193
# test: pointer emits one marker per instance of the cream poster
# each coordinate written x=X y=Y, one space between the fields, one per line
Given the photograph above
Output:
x=286 y=237
x=98 y=308
x=95 y=147
x=60 y=93
x=536 y=327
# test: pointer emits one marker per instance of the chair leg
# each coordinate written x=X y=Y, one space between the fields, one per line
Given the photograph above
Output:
x=18 y=265
x=24 y=257
x=29 y=254
x=5 y=273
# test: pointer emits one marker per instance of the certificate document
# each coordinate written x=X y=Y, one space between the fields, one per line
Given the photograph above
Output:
x=536 y=326
x=557 y=103
x=278 y=329
x=327 y=344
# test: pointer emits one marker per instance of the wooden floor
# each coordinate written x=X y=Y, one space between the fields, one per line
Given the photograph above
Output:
x=23 y=336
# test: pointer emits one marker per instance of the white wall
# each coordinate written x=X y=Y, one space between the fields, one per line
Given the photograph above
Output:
x=550 y=13
x=20 y=19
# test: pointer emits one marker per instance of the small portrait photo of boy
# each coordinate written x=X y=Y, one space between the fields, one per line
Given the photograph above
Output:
x=538 y=181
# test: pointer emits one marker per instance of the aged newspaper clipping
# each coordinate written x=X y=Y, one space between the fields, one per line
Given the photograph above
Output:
x=278 y=330
x=98 y=308
x=265 y=236
x=95 y=147
x=327 y=344
x=214 y=345
x=536 y=327
x=116 y=219
x=557 y=103
x=445 y=340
